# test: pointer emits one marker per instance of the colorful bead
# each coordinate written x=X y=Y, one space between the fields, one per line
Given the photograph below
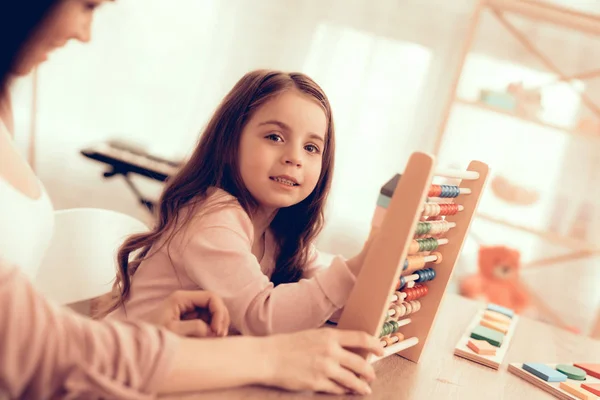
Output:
x=427 y=244
x=423 y=228
x=425 y=275
x=416 y=292
x=448 y=209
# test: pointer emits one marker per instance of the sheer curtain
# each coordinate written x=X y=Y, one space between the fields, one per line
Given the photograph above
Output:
x=374 y=85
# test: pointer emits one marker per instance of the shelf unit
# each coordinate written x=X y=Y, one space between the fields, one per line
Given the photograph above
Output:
x=543 y=12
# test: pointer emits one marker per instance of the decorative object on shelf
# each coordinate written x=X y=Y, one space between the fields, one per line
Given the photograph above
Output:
x=512 y=193
x=502 y=100
x=528 y=101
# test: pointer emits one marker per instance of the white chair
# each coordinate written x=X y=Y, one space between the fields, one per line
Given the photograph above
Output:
x=81 y=262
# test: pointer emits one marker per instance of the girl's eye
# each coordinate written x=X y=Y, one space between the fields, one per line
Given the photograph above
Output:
x=91 y=6
x=274 y=137
x=311 y=148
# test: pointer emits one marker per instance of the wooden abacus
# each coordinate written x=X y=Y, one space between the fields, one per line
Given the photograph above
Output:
x=377 y=295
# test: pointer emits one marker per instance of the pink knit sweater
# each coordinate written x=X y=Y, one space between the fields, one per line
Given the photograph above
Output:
x=213 y=251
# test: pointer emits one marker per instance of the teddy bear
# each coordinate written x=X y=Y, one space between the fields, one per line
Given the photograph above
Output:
x=498 y=279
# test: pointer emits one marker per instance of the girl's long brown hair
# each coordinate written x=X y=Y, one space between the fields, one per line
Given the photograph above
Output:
x=214 y=163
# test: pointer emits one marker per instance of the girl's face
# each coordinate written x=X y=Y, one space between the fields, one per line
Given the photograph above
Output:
x=281 y=150
x=71 y=19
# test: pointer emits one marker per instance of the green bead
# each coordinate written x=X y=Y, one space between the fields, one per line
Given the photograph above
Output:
x=423 y=228
x=394 y=326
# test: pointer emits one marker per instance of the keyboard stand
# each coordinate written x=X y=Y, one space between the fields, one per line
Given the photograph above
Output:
x=125 y=161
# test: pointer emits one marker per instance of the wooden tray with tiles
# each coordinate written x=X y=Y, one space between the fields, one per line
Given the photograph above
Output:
x=462 y=350
x=587 y=389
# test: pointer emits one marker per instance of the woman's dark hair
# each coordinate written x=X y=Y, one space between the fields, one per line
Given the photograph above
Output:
x=18 y=21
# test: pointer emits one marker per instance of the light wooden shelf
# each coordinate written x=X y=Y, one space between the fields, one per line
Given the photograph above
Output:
x=566 y=241
x=536 y=121
x=549 y=13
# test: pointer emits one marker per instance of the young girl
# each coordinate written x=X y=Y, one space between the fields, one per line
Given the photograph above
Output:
x=241 y=216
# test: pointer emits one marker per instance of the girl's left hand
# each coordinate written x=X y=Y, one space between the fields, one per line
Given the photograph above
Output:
x=196 y=313
x=355 y=263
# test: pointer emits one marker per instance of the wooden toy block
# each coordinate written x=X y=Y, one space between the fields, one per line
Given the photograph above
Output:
x=563 y=381
x=590 y=369
x=422 y=226
x=494 y=361
x=571 y=372
x=496 y=316
x=577 y=391
x=491 y=336
x=383 y=201
x=592 y=387
x=481 y=347
x=545 y=372
x=502 y=310
x=502 y=328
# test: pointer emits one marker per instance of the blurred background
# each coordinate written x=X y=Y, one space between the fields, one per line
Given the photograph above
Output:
x=399 y=81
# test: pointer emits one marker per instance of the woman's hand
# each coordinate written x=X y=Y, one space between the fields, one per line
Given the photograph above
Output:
x=194 y=313
x=319 y=360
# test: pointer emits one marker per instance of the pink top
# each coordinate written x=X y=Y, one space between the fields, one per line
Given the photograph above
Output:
x=214 y=252
x=50 y=352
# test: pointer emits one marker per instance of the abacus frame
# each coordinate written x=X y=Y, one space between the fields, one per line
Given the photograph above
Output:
x=367 y=306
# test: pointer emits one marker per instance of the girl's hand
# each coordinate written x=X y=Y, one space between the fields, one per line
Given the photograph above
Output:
x=319 y=360
x=355 y=263
x=194 y=313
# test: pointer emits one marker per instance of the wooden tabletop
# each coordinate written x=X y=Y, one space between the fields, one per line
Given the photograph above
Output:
x=441 y=375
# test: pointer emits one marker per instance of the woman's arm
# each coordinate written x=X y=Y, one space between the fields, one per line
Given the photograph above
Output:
x=316 y=360
x=49 y=351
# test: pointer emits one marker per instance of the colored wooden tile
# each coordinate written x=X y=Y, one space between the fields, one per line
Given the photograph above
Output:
x=592 y=388
x=491 y=336
x=502 y=310
x=383 y=201
x=576 y=390
x=571 y=372
x=496 y=316
x=481 y=347
x=544 y=372
x=591 y=369
x=497 y=326
x=390 y=186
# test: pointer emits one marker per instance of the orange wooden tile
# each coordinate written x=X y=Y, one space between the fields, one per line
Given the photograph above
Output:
x=481 y=347
x=590 y=369
x=592 y=388
x=496 y=316
x=497 y=326
x=576 y=390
